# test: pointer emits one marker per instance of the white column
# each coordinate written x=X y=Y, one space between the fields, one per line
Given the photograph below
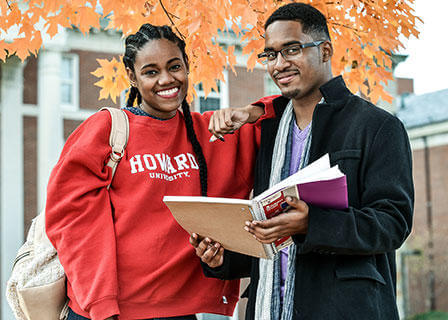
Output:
x=224 y=95
x=12 y=216
x=50 y=130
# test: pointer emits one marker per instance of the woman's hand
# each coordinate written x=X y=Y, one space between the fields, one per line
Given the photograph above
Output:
x=229 y=120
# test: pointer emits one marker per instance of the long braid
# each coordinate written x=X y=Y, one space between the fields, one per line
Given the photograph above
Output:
x=134 y=43
x=133 y=94
x=139 y=97
x=196 y=147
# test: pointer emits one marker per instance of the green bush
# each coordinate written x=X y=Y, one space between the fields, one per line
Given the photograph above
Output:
x=433 y=315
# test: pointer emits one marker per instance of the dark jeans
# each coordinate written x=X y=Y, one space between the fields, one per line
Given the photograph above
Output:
x=74 y=316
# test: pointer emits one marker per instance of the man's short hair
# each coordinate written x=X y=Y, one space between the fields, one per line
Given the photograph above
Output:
x=313 y=21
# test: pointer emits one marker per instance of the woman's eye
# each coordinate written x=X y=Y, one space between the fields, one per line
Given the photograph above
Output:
x=150 y=72
x=176 y=67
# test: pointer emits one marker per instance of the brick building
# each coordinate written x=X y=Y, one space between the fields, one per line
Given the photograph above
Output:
x=426 y=254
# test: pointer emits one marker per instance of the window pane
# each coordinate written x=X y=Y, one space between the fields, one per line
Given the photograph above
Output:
x=66 y=93
x=209 y=104
x=67 y=69
x=200 y=87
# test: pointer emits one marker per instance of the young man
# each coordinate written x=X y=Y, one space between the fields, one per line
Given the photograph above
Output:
x=342 y=263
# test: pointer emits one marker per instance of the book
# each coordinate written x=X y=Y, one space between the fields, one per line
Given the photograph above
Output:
x=223 y=219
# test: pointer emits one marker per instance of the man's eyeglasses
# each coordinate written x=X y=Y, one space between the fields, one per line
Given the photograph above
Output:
x=288 y=53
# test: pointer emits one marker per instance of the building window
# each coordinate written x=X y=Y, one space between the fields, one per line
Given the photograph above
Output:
x=69 y=82
x=215 y=100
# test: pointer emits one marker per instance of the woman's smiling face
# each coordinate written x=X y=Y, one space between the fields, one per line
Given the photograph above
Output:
x=161 y=76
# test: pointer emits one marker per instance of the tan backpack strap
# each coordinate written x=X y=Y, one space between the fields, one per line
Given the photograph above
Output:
x=119 y=135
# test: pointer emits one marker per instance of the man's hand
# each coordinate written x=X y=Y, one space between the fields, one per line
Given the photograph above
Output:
x=229 y=120
x=294 y=221
x=210 y=252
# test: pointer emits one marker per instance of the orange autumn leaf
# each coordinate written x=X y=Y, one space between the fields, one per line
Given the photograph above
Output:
x=87 y=19
x=231 y=58
x=194 y=25
x=252 y=61
x=103 y=84
x=364 y=33
x=108 y=67
x=3 y=55
x=113 y=78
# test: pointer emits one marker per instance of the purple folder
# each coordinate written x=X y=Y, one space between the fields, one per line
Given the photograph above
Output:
x=330 y=194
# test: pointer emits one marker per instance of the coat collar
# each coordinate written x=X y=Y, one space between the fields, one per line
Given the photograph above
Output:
x=335 y=90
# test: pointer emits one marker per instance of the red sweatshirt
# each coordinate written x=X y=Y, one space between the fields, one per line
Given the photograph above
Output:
x=121 y=249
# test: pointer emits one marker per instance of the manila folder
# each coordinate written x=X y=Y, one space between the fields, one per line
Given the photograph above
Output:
x=220 y=219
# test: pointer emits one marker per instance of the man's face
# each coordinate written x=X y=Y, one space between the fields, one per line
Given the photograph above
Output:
x=300 y=75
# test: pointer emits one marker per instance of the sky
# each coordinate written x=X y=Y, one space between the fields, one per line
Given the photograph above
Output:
x=427 y=61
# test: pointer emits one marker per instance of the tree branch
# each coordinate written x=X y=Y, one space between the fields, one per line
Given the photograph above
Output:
x=255 y=10
x=347 y=26
x=171 y=20
x=9 y=6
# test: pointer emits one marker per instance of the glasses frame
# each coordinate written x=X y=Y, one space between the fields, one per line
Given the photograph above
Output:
x=264 y=55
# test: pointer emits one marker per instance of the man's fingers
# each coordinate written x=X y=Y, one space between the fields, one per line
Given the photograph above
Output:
x=269 y=223
x=219 y=252
x=266 y=235
x=218 y=258
x=194 y=240
x=269 y=235
x=296 y=203
x=294 y=221
x=212 y=255
x=263 y=234
x=268 y=239
x=202 y=247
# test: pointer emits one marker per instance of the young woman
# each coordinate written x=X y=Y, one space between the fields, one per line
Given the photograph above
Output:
x=124 y=255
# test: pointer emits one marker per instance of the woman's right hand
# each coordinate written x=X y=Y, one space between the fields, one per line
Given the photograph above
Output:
x=210 y=252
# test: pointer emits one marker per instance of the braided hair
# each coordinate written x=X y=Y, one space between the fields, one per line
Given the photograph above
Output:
x=134 y=43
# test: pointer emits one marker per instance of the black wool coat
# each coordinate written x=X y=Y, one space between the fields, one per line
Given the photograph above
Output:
x=345 y=264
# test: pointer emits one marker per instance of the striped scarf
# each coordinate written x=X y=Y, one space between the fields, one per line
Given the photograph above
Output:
x=268 y=306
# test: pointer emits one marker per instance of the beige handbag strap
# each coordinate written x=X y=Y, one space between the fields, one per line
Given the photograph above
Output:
x=119 y=135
